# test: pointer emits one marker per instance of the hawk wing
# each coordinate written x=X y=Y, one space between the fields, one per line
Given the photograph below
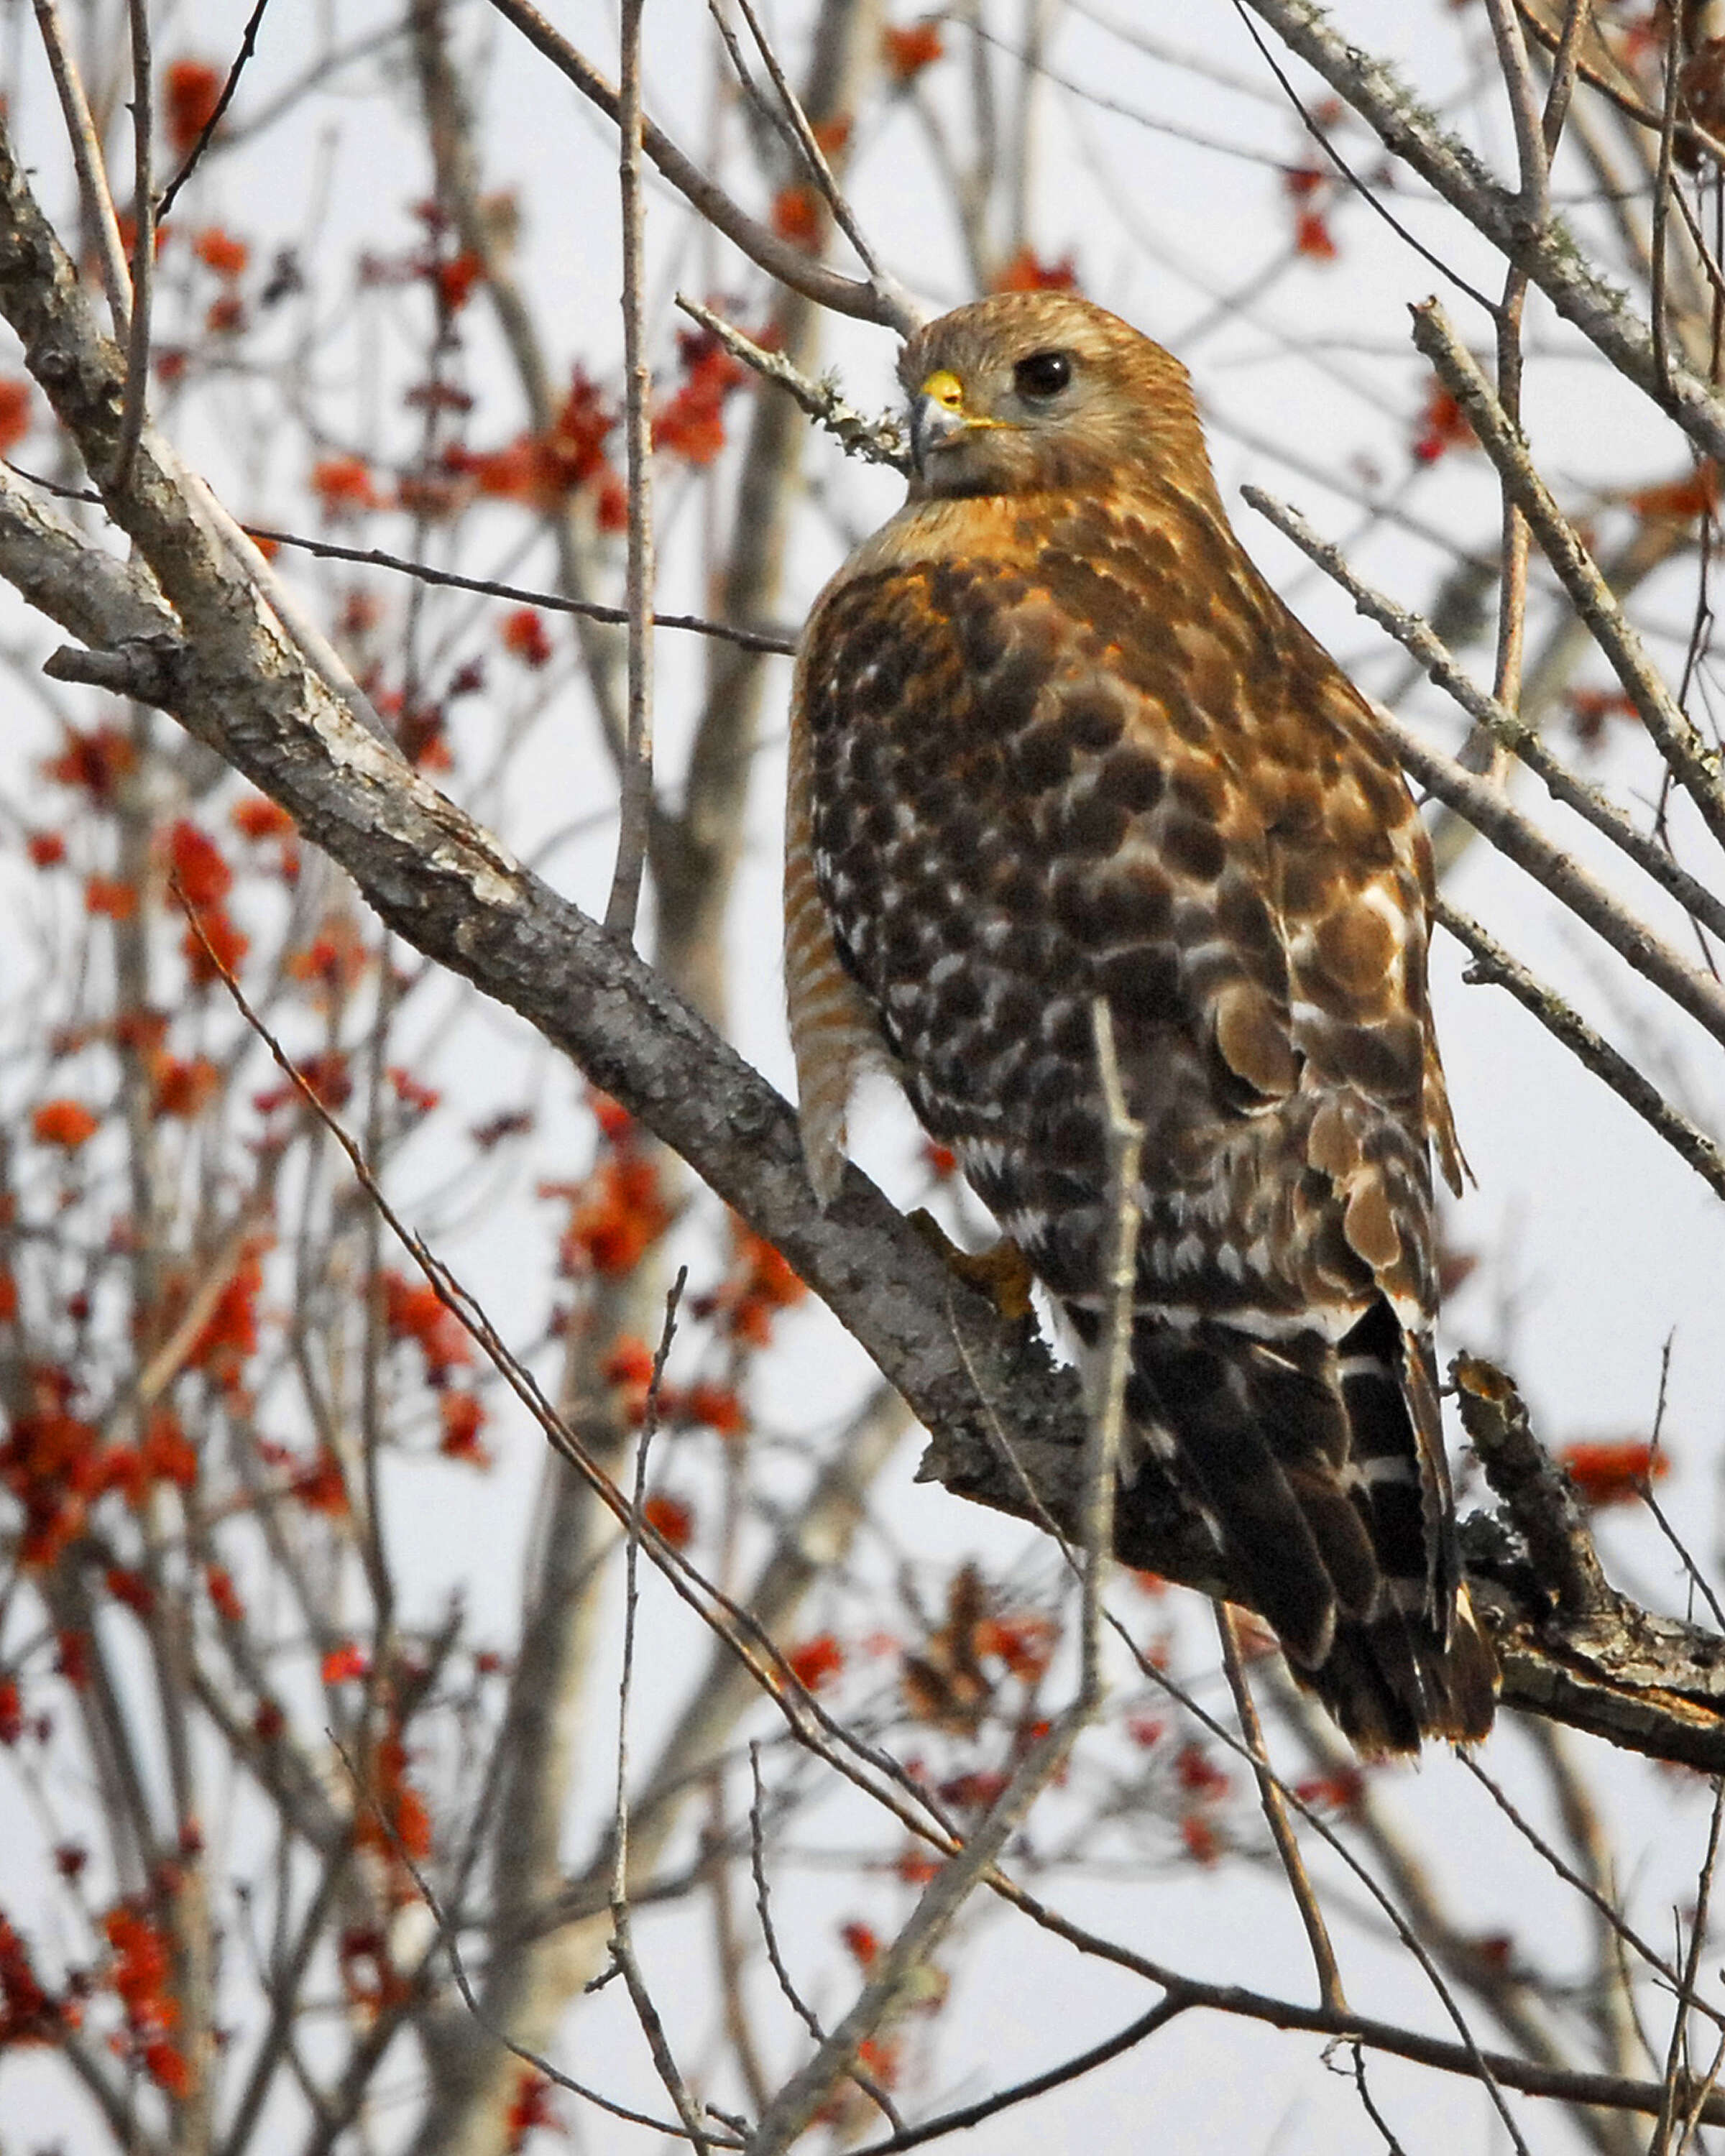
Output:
x=1098 y=759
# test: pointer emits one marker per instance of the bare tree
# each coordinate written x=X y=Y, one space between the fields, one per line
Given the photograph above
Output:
x=300 y=1254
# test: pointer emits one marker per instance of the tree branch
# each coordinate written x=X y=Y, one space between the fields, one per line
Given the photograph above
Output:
x=1008 y=1426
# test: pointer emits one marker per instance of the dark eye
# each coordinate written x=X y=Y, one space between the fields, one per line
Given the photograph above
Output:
x=1043 y=374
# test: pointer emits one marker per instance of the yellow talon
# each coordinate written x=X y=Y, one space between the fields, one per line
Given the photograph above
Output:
x=1002 y=1272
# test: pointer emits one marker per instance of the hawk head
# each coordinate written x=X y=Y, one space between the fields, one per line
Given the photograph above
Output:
x=1033 y=391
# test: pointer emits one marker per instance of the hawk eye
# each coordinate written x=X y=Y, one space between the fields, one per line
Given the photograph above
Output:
x=1043 y=374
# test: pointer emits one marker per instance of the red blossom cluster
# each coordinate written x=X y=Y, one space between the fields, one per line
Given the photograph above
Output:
x=691 y=423
x=1343 y=1791
x=757 y=1285
x=141 y=1974
x=954 y=1679
x=261 y=822
x=670 y=1519
x=211 y=944
x=220 y=251
x=529 y=2108
x=392 y=1827
x=816 y=1662
x=461 y=1417
x=110 y=898
x=228 y=1338
x=93 y=763
x=1591 y=710
x=525 y=637
x=1027 y=272
x=411 y=1091
x=67 y=1124
x=224 y=1595
x=1679 y=500
x=1309 y=189
x=620 y=1211
x=333 y=963
x=862 y=1943
x=1204 y=1787
x=447 y=269
x=56 y=1466
x=413 y=1310
x=371 y=1981
x=345 y=488
x=191 y=91
x=14 y=412
x=319 y=1485
x=705 y=1405
x=907 y=51
x=544 y=471
x=1442 y=426
x=29 y=2013
x=796 y=216
x=1613 y=1472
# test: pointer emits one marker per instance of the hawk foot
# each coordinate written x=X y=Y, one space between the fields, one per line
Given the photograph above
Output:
x=1002 y=1273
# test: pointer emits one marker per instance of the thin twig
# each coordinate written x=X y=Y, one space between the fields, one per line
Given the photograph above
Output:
x=805 y=2013
x=1613 y=1916
x=205 y=134
x=1491 y=963
x=1418 y=638
x=635 y=804
x=1275 y=1813
x=1369 y=192
x=623 y=1951
x=1662 y=190
x=1123 y=1138
x=790 y=264
x=447 y=1939
x=1393 y=2147
x=376 y=557
x=1561 y=90
x=1695 y=766
x=143 y=253
x=1071 y=2069
x=101 y=222
x=1691 y=2116
x=1675 y=2080
x=895 y=1969
x=757 y=1865
x=877 y=441
x=1532 y=151
x=809 y=144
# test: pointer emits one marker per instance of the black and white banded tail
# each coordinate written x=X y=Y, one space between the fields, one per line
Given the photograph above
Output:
x=1320 y=1466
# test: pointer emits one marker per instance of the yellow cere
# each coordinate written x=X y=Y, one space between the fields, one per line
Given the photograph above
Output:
x=945 y=388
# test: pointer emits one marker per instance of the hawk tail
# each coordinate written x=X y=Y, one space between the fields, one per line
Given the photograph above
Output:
x=1393 y=1681
x=1319 y=1463
x=1420 y=1666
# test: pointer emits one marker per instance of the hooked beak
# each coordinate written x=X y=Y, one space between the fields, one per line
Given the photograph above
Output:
x=938 y=418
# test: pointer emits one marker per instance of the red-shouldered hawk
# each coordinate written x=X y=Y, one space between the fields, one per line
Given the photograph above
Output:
x=1054 y=738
